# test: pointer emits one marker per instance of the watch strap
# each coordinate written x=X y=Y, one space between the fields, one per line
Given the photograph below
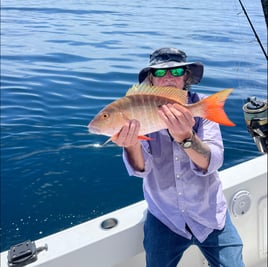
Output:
x=187 y=142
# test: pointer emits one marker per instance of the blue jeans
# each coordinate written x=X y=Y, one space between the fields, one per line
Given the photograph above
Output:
x=164 y=248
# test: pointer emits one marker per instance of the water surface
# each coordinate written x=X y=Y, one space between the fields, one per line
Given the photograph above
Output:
x=62 y=62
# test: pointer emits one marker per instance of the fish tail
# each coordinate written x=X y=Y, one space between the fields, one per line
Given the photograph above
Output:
x=212 y=107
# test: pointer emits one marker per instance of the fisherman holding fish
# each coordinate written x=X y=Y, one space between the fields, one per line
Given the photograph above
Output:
x=171 y=138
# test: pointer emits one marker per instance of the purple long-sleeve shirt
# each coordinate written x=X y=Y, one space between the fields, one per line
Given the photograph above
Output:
x=176 y=190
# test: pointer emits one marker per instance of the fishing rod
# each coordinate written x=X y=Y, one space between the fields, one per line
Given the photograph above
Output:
x=253 y=29
x=264 y=4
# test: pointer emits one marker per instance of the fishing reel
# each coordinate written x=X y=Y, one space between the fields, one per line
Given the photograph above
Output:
x=255 y=113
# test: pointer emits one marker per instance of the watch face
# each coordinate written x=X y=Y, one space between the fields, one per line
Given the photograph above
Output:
x=187 y=144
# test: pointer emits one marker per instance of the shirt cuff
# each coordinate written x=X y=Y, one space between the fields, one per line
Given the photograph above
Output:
x=215 y=162
x=147 y=162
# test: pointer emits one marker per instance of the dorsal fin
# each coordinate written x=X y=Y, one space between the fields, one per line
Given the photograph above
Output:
x=172 y=93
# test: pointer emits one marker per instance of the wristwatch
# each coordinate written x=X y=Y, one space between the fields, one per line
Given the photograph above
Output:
x=187 y=143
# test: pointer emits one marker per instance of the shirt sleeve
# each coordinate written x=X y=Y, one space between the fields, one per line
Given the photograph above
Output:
x=209 y=133
x=147 y=160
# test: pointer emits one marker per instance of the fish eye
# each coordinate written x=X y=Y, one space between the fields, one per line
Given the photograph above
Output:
x=105 y=115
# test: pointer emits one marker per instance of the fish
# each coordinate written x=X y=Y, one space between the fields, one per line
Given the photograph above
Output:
x=142 y=103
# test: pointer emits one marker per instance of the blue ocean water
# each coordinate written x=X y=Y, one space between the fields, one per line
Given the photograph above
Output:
x=62 y=61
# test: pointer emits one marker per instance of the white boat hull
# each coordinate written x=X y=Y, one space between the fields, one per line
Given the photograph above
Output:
x=88 y=245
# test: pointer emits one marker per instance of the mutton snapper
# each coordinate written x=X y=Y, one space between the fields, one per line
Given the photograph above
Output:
x=142 y=103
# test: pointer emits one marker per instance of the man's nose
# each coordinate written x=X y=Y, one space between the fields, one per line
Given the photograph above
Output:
x=168 y=75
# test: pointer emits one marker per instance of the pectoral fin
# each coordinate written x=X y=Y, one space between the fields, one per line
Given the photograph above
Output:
x=107 y=141
x=141 y=137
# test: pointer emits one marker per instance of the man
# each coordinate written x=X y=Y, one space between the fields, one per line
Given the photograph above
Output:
x=179 y=166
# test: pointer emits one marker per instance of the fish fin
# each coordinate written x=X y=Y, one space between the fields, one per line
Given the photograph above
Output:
x=143 y=137
x=172 y=93
x=213 y=107
x=111 y=139
x=107 y=141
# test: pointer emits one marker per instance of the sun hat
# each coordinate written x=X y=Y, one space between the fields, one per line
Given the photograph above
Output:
x=165 y=58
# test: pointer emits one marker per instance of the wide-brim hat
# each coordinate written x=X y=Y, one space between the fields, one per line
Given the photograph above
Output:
x=165 y=58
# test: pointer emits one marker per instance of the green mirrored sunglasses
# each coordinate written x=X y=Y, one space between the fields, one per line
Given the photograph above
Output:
x=176 y=72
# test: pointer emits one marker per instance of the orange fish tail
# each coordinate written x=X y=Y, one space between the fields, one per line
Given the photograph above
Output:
x=212 y=107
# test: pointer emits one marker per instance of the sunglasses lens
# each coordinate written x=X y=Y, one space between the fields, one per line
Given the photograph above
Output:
x=177 y=72
x=159 y=73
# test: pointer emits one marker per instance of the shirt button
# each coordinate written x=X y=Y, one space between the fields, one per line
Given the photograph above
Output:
x=176 y=158
x=177 y=175
x=179 y=193
x=182 y=210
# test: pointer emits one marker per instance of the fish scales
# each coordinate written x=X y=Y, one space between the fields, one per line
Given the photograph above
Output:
x=144 y=108
x=142 y=103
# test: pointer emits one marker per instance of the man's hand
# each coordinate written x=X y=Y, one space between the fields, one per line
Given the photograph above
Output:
x=178 y=119
x=128 y=135
x=128 y=138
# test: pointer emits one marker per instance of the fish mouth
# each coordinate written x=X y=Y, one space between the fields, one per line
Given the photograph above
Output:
x=93 y=129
